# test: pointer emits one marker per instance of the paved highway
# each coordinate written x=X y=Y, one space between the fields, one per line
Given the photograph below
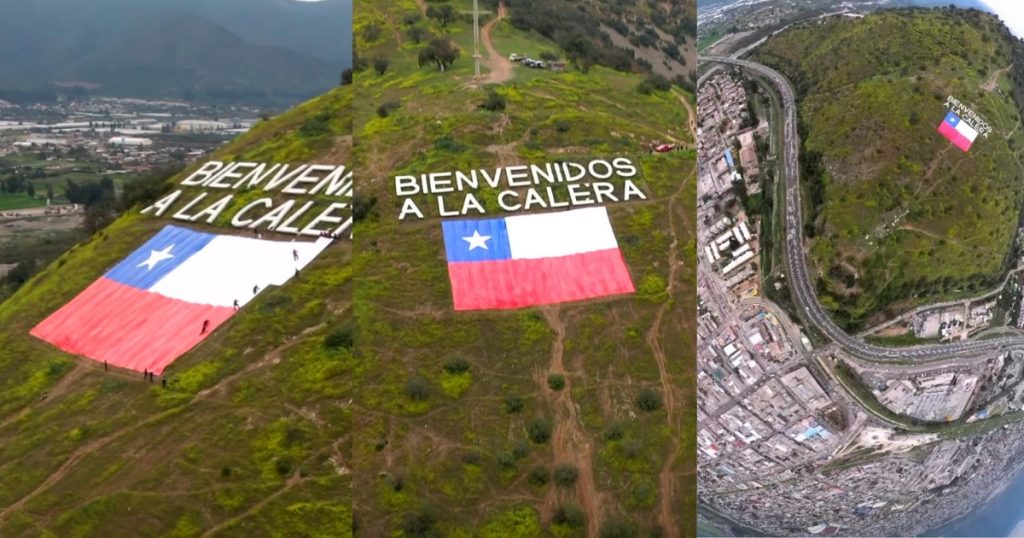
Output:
x=801 y=283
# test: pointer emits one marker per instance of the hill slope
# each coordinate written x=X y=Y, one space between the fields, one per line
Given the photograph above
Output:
x=897 y=215
x=251 y=435
x=526 y=422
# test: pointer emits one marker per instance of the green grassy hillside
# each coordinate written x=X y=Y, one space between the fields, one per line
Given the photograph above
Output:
x=463 y=428
x=251 y=437
x=897 y=215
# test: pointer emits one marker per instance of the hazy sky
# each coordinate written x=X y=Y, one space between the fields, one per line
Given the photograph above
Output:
x=1011 y=12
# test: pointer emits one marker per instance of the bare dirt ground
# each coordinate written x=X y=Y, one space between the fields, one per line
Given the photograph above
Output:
x=993 y=81
x=691 y=117
x=501 y=68
x=667 y=478
x=569 y=441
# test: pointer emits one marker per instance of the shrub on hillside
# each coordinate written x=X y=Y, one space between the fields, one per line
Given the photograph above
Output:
x=514 y=404
x=648 y=400
x=417 y=389
x=565 y=475
x=494 y=102
x=339 y=338
x=654 y=83
x=385 y=109
x=456 y=365
x=569 y=515
x=539 y=430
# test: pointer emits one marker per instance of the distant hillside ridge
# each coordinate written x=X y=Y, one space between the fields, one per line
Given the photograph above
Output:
x=270 y=51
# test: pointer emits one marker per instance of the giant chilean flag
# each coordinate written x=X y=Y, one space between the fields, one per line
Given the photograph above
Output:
x=150 y=308
x=957 y=131
x=528 y=260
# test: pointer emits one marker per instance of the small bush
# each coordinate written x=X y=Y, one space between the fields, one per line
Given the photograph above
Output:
x=387 y=108
x=514 y=404
x=556 y=382
x=539 y=430
x=372 y=32
x=420 y=524
x=520 y=449
x=654 y=83
x=565 y=475
x=447 y=143
x=506 y=460
x=539 y=476
x=417 y=389
x=339 y=338
x=316 y=126
x=632 y=449
x=380 y=65
x=396 y=482
x=614 y=432
x=615 y=527
x=648 y=400
x=363 y=206
x=570 y=515
x=495 y=101
x=472 y=457
x=456 y=365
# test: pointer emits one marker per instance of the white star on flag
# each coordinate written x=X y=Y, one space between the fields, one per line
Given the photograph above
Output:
x=157 y=256
x=477 y=240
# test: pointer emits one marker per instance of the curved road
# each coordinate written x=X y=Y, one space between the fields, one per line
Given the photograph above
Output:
x=800 y=281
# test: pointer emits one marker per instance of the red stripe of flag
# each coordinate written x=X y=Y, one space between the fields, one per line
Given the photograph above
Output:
x=518 y=283
x=128 y=327
x=954 y=136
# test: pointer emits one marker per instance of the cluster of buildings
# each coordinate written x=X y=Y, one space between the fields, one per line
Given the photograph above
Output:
x=733 y=248
x=726 y=124
x=908 y=492
x=727 y=235
x=953 y=322
x=932 y=397
x=122 y=135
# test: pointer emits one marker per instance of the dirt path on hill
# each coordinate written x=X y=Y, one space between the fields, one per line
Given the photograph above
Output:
x=501 y=67
x=926 y=233
x=667 y=479
x=993 y=81
x=422 y=4
x=94 y=446
x=292 y=481
x=568 y=440
x=926 y=184
x=690 y=113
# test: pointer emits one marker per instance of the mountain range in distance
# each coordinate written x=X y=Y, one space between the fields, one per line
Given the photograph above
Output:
x=252 y=51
